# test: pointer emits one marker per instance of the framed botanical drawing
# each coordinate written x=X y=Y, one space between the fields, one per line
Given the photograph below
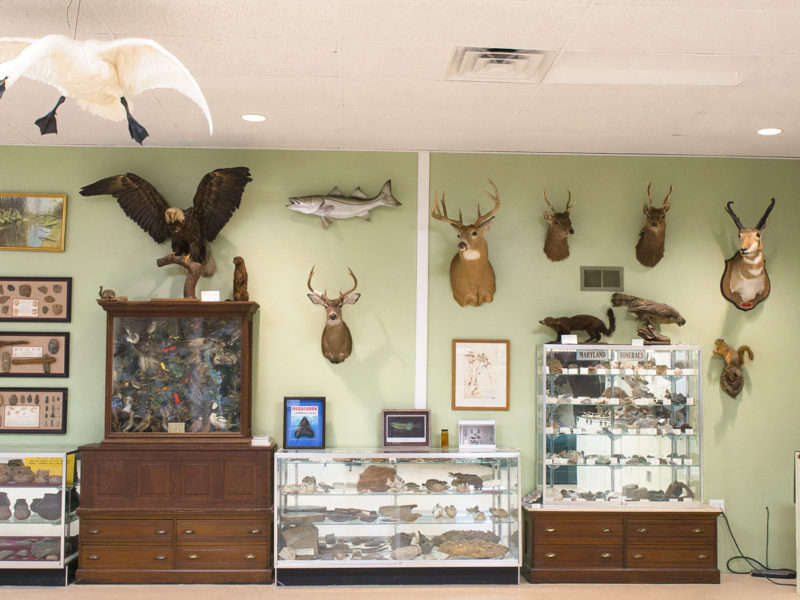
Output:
x=33 y=410
x=407 y=428
x=32 y=221
x=480 y=374
x=304 y=423
x=36 y=299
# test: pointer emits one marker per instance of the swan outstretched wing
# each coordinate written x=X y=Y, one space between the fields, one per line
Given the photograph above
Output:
x=143 y=64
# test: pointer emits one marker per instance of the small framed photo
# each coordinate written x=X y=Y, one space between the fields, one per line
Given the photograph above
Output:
x=36 y=299
x=480 y=374
x=34 y=354
x=33 y=410
x=33 y=221
x=407 y=429
x=304 y=423
x=476 y=435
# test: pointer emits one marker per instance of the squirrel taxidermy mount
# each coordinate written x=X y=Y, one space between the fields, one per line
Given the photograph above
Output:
x=731 y=379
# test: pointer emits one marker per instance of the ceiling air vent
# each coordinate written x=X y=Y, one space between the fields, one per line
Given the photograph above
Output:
x=601 y=279
x=507 y=65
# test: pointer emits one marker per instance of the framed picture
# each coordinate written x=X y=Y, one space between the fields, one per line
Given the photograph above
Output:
x=406 y=428
x=304 y=423
x=476 y=435
x=32 y=221
x=480 y=374
x=33 y=410
x=34 y=354
x=36 y=299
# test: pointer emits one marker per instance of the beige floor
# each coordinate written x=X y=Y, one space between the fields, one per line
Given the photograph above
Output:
x=733 y=587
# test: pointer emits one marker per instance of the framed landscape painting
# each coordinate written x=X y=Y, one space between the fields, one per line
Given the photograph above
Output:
x=32 y=221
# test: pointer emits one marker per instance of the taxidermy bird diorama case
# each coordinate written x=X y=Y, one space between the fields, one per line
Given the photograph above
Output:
x=178 y=371
x=619 y=425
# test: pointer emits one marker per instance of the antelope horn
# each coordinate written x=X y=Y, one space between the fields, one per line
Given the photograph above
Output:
x=763 y=220
x=734 y=217
x=494 y=198
x=313 y=291
x=355 y=284
x=548 y=201
x=441 y=215
x=569 y=199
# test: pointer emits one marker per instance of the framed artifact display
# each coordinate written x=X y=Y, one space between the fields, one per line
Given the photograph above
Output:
x=178 y=370
x=32 y=221
x=480 y=374
x=476 y=435
x=33 y=410
x=406 y=428
x=34 y=354
x=36 y=299
x=304 y=423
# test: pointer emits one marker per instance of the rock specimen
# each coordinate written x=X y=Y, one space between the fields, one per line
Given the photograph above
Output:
x=436 y=485
x=400 y=540
x=25 y=290
x=473 y=549
x=302 y=538
x=21 y=510
x=375 y=478
x=406 y=552
x=425 y=545
x=473 y=480
x=465 y=535
x=676 y=488
x=47 y=548
x=451 y=511
x=287 y=553
x=499 y=513
x=398 y=512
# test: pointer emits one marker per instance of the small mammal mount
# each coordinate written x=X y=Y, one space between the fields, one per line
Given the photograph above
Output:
x=731 y=379
x=593 y=326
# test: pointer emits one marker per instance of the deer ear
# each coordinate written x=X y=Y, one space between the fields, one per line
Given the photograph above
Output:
x=456 y=227
x=351 y=298
x=666 y=205
x=316 y=299
x=484 y=227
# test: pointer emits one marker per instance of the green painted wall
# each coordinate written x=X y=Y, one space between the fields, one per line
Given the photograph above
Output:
x=748 y=442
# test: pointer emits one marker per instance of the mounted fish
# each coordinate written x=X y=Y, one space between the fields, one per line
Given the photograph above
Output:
x=335 y=205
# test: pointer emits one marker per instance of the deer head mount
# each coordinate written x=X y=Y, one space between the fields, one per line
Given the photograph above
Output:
x=745 y=282
x=560 y=228
x=650 y=248
x=471 y=273
x=337 y=343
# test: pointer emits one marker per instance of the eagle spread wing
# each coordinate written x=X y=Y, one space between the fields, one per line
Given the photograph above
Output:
x=218 y=195
x=138 y=198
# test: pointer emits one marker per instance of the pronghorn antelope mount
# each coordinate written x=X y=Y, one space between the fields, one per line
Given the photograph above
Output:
x=745 y=282
x=337 y=343
x=471 y=274
x=559 y=230
x=650 y=248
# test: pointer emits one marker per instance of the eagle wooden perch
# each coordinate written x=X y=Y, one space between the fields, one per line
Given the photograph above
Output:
x=190 y=230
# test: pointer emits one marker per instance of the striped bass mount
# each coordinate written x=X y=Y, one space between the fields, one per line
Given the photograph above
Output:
x=335 y=205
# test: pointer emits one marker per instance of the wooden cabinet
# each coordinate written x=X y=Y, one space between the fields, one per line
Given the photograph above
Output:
x=179 y=514
x=620 y=545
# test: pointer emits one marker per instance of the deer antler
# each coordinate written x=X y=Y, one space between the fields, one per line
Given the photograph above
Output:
x=494 y=198
x=666 y=200
x=649 y=183
x=569 y=199
x=313 y=291
x=438 y=214
x=548 y=201
x=355 y=284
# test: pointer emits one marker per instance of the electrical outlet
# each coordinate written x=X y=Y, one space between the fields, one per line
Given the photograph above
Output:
x=718 y=503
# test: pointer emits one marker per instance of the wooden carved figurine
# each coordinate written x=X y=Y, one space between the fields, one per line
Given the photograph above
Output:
x=650 y=248
x=471 y=274
x=240 y=280
x=559 y=230
x=731 y=379
x=745 y=282
x=593 y=326
x=337 y=343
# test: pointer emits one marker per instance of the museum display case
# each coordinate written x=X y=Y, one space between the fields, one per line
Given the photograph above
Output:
x=39 y=497
x=178 y=370
x=379 y=515
x=619 y=424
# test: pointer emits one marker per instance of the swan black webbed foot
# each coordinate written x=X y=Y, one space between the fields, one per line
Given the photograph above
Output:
x=47 y=124
x=138 y=133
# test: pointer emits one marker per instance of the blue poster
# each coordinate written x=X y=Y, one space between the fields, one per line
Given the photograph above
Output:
x=305 y=423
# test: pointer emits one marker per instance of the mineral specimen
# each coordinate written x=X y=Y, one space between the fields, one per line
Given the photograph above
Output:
x=435 y=485
x=400 y=511
x=473 y=480
x=406 y=552
x=375 y=478
x=473 y=549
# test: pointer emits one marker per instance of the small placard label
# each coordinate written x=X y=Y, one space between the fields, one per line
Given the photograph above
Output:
x=593 y=354
x=25 y=307
x=27 y=352
x=632 y=354
x=176 y=427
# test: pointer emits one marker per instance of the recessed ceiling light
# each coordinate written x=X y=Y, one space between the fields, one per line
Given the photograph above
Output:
x=254 y=118
x=769 y=131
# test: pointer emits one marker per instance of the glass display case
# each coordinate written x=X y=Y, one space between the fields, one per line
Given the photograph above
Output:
x=38 y=522
x=374 y=508
x=178 y=370
x=619 y=424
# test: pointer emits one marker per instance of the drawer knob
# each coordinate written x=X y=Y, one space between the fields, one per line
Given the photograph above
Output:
x=551 y=530
x=193 y=556
x=188 y=531
x=701 y=557
x=160 y=557
x=607 y=530
x=606 y=555
x=699 y=531
x=161 y=532
x=93 y=557
x=250 y=556
x=643 y=530
x=94 y=531
x=638 y=556
x=550 y=555
x=255 y=531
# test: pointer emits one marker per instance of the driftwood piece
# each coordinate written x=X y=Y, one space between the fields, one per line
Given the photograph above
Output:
x=193 y=271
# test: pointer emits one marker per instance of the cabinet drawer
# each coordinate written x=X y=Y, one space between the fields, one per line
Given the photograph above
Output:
x=590 y=531
x=128 y=530
x=638 y=556
x=246 y=557
x=564 y=557
x=256 y=530
x=698 y=529
x=125 y=557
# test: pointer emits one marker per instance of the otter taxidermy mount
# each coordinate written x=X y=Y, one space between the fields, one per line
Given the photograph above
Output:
x=593 y=326
x=731 y=379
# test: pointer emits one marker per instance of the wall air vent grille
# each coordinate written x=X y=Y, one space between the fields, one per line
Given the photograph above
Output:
x=602 y=279
x=505 y=65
